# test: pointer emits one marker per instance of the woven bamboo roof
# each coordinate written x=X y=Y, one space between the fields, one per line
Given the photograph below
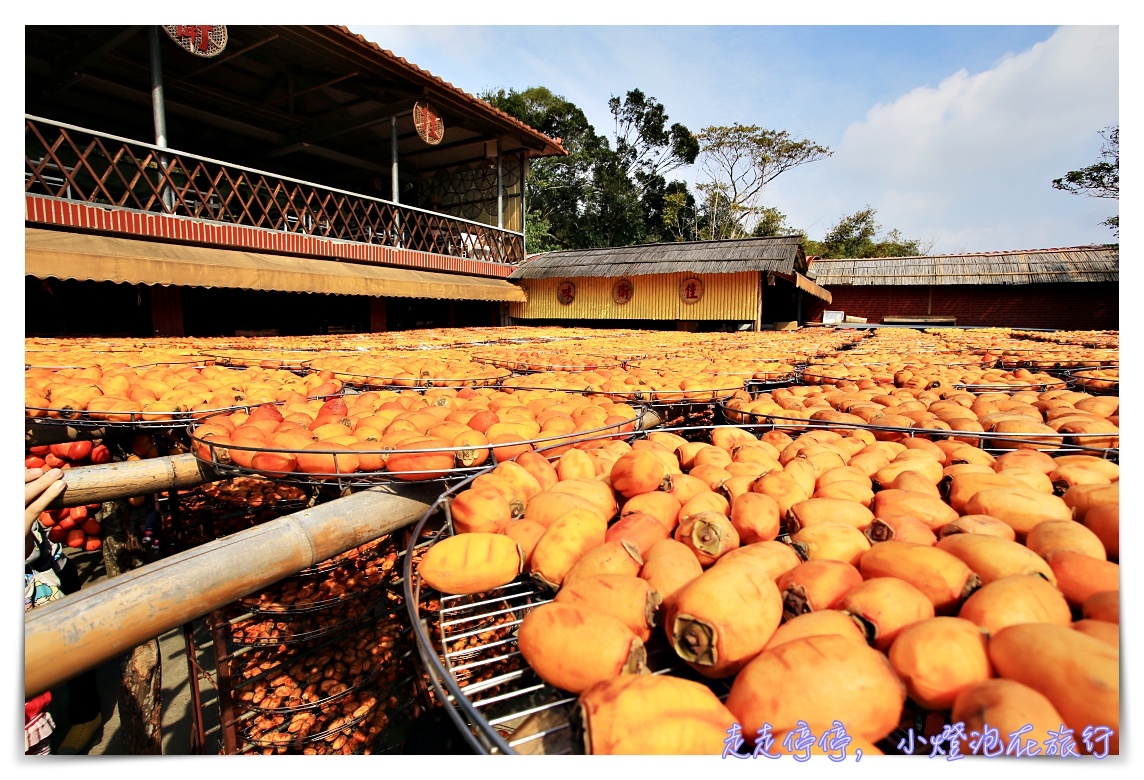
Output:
x=780 y=253
x=1029 y=266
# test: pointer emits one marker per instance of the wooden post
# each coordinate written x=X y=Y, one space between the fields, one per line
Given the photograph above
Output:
x=759 y=305
x=166 y=310
x=377 y=322
x=141 y=669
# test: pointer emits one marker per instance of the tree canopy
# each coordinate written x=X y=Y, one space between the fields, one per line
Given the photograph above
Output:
x=855 y=235
x=1102 y=178
x=739 y=161
x=616 y=191
x=600 y=194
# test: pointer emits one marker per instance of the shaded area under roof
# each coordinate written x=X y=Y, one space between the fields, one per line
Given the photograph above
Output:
x=781 y=254
x=1031 y=266
x=312 y=102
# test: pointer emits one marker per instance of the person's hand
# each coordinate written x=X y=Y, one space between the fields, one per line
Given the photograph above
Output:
x=40 y=489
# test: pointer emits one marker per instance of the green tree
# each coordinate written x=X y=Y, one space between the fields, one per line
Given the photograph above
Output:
x=558 y=187
x=718 y=216
x=647 y=148
x=741 y=160
x=1102 y=178
x=854 y=236
x=680 y=215
x=599 y=195
x=772 y=222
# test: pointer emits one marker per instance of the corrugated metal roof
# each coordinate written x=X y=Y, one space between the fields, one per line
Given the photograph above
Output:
x=1027 y=266
x=779 y=253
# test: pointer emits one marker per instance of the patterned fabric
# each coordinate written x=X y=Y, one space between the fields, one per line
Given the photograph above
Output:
x=41 y=585
x=38 y=725
x=41 y=578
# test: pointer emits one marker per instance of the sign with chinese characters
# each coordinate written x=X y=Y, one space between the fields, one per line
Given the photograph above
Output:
x=201 y=40
x=622 y=290
x=429 y=124
x=800 y=741
x=690 y=290
x=566 y=292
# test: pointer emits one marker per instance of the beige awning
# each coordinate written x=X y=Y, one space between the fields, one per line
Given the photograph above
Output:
x=65 y=255
x=809 y=287
x=802 y=283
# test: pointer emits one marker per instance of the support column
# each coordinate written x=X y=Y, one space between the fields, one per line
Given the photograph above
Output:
x=759 y=304
x=395 y=189
x=166 y=310
x=377 y=323
x=500 y=187
x=159 y=109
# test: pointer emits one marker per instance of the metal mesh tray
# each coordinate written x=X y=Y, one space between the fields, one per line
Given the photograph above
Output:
x=221 y=461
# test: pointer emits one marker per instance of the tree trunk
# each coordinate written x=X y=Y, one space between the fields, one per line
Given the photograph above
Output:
x=140 y=697
x=140 y=702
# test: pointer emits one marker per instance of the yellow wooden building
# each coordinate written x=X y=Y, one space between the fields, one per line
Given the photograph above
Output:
x=694 y=285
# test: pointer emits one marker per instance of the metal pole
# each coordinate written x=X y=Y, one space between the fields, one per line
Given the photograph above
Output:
x=500 y=187
x=83 y=630
x=393 y=158
x=159 y=110
x=523 y=203
x=395 y=186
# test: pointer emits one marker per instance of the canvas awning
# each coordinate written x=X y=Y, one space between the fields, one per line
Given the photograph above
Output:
x=806 y=285
x=65 y=255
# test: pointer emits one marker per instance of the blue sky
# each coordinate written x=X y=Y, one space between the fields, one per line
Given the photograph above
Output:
x=952 y=133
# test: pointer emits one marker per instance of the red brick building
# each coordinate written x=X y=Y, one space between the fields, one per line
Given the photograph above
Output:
x=1073 y=288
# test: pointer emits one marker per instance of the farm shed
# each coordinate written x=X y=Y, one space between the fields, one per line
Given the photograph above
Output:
x=1071 y=288
x=694 y=284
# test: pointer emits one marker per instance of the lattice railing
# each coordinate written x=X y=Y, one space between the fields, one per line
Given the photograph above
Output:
x=63 y=161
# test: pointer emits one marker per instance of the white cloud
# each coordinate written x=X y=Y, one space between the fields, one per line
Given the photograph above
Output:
x=968 y=163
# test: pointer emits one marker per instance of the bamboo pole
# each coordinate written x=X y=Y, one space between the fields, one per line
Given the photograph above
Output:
x=111 y=481
x=81 y=631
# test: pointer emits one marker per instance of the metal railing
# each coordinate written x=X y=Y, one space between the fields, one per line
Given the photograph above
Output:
x=76 y=164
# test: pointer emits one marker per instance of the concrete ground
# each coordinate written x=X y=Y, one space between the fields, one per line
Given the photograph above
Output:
x=177 y=709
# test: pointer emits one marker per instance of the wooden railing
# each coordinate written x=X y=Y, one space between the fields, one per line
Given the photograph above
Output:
x=68 y=162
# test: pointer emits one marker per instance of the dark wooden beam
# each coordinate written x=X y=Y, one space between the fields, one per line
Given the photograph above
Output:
x=332 y=128
x=222 y=60
x=480 y=139
x=348 y=159
x=328 y=83
x=71 y=72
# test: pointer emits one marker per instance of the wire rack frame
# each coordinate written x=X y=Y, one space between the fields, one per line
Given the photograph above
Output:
x=224 y=465
x=142 y=420
x=788 y=424
x=484 y=731
x=1083 y=380
x=422 y=383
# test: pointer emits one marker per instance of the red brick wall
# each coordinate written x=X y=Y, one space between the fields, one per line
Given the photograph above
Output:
x=1087 y=306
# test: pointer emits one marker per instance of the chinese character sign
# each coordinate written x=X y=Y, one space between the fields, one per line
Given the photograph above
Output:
x=622 y=291
x=691 y=290
x=566 y=292
x=429 y=124
x=202 y=40
x=800 y=742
